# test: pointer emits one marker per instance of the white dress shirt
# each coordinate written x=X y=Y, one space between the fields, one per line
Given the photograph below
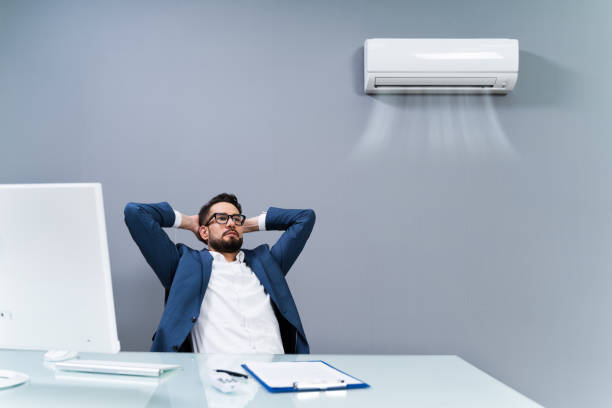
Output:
x=236 y=316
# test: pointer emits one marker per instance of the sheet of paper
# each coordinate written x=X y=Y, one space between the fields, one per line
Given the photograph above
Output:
x=283 y=374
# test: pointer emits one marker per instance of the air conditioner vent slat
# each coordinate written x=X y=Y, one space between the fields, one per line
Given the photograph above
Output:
x=434 y=82
x=433 y=86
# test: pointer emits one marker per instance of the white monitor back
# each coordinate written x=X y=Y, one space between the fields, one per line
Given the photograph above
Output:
x=55 y=280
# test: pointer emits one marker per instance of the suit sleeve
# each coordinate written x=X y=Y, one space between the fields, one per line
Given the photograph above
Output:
x=145 y=222
x=297 y=225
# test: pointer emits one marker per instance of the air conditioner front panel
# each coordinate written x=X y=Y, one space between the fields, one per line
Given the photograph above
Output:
x=439 y=55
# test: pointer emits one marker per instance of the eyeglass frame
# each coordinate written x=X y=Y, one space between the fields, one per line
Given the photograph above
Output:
x=242 y=216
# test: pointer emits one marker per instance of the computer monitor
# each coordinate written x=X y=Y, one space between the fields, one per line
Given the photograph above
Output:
x=55 y=281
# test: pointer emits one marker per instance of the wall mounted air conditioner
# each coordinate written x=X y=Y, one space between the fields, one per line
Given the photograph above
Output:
x=412 y=65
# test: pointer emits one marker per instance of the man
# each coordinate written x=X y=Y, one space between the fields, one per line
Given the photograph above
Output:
x=223 y=299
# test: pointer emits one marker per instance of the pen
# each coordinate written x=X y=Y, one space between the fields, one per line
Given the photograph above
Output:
x=235 y=374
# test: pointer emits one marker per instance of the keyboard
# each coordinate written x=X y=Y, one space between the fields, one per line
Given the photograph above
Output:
x=116 y=367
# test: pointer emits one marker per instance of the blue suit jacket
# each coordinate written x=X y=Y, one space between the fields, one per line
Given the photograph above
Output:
x=185 y=272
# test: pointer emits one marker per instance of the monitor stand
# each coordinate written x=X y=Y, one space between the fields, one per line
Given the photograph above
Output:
x=59 y=355
x=10 y=379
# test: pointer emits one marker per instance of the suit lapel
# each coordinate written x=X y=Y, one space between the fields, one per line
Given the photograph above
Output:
x=256 y=266
x=207 y=260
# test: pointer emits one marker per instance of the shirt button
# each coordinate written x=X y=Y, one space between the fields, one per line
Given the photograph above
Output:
x=193 y=319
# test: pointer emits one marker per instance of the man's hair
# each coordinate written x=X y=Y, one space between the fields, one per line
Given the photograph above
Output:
x=220 y=198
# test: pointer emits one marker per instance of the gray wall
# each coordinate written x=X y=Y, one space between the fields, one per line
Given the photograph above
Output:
x=447 y=225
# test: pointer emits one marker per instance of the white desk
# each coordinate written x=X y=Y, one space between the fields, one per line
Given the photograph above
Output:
x=396 y=381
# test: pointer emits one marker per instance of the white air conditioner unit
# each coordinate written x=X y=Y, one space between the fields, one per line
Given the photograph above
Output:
x=428 y=65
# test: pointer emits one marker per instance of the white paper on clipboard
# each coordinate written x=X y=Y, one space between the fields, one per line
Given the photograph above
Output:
x=284 y=374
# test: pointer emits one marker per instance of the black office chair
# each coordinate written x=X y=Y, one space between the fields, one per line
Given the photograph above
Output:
x=186 y=347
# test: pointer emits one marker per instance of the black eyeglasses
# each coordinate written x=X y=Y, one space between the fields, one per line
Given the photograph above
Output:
x=223 y=218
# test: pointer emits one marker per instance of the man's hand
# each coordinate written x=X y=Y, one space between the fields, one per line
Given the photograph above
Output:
x=191 y=223
x=250 y=225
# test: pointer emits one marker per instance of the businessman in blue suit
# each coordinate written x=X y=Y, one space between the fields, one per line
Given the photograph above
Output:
x=223 y=299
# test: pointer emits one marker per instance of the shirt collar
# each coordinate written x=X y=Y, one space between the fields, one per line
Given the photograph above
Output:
x=220 y=258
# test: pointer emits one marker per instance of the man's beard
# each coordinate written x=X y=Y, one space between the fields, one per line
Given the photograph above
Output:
x=220 y=245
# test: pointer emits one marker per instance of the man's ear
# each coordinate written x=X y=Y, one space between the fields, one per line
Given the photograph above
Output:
x=203 y=232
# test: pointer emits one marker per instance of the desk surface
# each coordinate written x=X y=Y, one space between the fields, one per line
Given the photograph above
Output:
x=409 y=381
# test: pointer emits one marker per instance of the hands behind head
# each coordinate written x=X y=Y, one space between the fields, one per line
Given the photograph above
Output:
x=250 y=225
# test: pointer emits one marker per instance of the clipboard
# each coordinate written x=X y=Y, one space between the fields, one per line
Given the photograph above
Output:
x=297 y=376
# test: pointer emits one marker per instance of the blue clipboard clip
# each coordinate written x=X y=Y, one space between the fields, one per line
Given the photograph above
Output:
x=318 y=385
